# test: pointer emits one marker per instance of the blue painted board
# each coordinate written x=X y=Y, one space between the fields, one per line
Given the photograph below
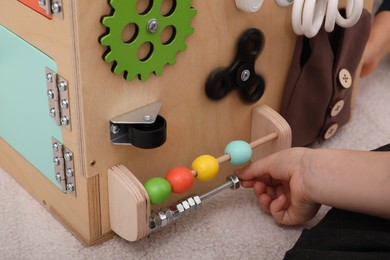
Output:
x=25 y=123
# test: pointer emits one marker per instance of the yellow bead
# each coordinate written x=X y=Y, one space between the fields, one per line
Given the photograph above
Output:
x=206 y=167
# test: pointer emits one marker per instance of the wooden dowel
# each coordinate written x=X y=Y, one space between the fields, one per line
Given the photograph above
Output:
x=253 y=145
x=223 y=158
x=263 y=140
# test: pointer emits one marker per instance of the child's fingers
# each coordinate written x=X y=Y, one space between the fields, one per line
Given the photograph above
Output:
x=265 y=201
x=259 y=188
x=278 y=209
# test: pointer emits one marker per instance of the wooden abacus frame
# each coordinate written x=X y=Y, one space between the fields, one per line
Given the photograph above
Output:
x=96 y=95
x=129 y=202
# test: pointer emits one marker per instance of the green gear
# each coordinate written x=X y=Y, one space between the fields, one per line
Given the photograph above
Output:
x=125 y=54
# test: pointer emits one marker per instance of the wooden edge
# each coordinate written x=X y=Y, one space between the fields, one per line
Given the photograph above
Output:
x=85 y=241
x=265 y=121
x=68 y=210
x=129 y=204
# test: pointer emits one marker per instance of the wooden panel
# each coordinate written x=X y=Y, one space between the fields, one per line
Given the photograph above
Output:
x=34 y=4
x=196 y=125
x=80 y=215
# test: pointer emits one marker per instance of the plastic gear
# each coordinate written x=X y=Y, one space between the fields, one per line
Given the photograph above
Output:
x=148 y=28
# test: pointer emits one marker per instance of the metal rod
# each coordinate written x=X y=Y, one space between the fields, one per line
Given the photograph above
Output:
x=232 y=182
x=163 y=217
x=216 y=190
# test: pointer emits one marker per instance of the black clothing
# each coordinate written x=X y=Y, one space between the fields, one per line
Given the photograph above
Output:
x=385 y=6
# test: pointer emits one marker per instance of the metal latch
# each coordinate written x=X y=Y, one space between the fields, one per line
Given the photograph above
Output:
x=64 y=167
x=52 y=7
x=57 y=92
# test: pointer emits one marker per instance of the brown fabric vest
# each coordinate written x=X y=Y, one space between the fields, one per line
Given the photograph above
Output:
x=313 y=86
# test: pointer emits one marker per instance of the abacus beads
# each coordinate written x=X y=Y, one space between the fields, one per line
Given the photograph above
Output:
x=158 y=189
x=205 y=168
x=180 y=178
x=240 y=152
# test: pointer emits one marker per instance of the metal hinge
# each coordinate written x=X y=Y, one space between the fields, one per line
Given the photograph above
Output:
x=52 y=7
x=57 y=92
x=64 y=167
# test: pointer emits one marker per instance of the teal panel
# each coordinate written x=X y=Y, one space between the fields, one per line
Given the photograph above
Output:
x=24 y=111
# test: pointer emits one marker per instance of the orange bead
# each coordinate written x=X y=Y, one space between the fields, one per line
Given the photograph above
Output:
x=206 y=166
x=180 y=178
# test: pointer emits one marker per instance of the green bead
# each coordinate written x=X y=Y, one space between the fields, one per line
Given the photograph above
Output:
x=240 y=152
x=158 y=190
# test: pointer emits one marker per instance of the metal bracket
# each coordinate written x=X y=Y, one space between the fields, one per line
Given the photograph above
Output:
x=64 y=167
x=142 y=127
x=57 y=92
x=52 y=7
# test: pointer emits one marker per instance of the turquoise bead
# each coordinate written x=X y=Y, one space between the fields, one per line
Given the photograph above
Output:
x=240 y=152
x=158 y=190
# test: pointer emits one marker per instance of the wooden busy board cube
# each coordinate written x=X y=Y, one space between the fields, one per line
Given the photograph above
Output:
x=59 y=44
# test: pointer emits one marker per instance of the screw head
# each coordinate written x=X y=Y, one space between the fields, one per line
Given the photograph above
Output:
x=50 y=94
x=245 y=74
x=70 y=187
x=49 y=77
x=115 y=129
x=69 y=172
x=152 y=26
x=64 y=120
x=55 y=147
x=64 y=104
x=68 y=156
x=58 y=177
x=62 y=85
x=147 y=118
x=56 y=161
x=42 y=2
x=56 y=7
x=52 y=112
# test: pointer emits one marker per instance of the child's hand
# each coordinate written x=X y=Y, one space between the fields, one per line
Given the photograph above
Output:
x=378 y=44
x=278 y=183
x=292 y=184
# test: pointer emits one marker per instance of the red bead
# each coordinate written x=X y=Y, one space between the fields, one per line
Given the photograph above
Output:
x=180 y=178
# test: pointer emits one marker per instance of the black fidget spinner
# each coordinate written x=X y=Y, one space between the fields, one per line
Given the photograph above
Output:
x=241 y=73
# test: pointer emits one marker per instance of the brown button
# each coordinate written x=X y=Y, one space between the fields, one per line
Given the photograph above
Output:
x=345 y=78
x=331 y=131
x=336 y=108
